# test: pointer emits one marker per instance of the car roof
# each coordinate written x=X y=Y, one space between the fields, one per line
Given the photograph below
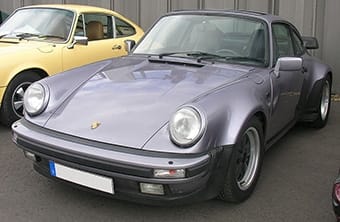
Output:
x=73 y=7
x=254 y=14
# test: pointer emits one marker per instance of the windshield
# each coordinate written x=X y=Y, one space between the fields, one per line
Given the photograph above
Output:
x=223 y=38
x=39 y=24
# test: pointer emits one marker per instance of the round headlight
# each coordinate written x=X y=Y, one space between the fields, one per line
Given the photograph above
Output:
x=186 y=126
x=35 y=99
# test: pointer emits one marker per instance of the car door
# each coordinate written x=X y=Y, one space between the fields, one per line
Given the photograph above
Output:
x=287 y=85
x=102 y=41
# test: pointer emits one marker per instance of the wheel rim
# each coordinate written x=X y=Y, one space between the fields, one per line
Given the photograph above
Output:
x=325 y=98
x=248 y=159
x=18 y=98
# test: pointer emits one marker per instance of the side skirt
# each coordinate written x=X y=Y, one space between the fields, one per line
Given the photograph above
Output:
x=279 y=135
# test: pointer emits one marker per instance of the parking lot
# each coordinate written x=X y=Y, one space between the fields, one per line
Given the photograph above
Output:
x=295 y=185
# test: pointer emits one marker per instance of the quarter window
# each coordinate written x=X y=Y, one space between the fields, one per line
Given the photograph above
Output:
x=123 y=29
x=283 y=45
x=298 y=44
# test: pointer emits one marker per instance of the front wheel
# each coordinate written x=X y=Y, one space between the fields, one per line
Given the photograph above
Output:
x=12 y=103
x=245 y=164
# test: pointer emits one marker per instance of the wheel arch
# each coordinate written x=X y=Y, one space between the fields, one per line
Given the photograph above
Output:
x=9 y=112
x=241 y=103
x=19 y=71
x=330 y=74
x=256 y=113
x=234 y=127
x=312 y=89
x=263 y=119
x=42 y=73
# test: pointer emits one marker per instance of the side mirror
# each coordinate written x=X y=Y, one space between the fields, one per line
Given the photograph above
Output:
x=129 y=44
x=310 y=42
x=81 y=40
x=287 y=64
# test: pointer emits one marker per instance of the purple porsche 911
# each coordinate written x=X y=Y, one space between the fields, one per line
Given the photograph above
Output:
x=186 y=116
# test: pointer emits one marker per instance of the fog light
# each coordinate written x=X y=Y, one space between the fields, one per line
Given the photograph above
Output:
x=150 y=188
x=30 y=156
x=172 y=173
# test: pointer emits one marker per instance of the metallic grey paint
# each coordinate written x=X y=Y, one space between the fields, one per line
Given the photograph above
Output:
x=134 y=97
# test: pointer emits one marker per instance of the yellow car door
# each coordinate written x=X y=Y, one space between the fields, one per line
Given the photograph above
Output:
x=96 y=50
x=104 y=40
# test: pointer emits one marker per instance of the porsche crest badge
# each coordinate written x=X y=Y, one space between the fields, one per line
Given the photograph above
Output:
x=95 y=125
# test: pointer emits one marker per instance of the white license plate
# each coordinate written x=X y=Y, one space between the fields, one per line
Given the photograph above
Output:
x=80 y=177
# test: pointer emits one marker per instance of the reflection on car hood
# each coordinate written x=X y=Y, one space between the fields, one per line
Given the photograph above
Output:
x=127 y=105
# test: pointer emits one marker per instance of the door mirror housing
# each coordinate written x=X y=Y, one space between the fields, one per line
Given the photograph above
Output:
x=287 y=64
x=129 y=44
x=310 y=42
x=81 y=40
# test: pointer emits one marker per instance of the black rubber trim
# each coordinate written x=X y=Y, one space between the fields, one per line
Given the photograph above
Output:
x=85 y=161
x=52 y=153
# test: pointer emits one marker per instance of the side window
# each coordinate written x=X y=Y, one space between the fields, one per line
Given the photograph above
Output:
x=97 y=26
x=80 y=31
x=298 y=44
x=283 y=45
x=123 y=29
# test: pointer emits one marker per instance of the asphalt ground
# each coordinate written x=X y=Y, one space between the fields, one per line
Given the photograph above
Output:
x=295 y=185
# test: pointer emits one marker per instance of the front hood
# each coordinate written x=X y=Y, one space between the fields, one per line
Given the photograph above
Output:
x=8 y=47
x=128 y=104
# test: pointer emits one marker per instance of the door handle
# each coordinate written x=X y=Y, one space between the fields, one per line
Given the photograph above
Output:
x=119 y=47
x=304 y=69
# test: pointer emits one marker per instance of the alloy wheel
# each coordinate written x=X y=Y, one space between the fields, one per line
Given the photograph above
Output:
x=248 y=158
x=325 y=99
x=18 y=98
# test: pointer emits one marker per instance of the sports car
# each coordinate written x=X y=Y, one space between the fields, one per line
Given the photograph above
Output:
x=186 y=116
x=42 y=40
x=336 y=197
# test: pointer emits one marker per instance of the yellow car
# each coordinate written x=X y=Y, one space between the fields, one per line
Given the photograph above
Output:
x=42 y=40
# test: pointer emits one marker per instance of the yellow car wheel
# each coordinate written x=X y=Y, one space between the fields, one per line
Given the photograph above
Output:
x=12 y=103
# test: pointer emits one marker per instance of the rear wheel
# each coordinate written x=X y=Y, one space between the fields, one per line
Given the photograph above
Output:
x=245 y=164
x=324 y=104
x=12 y=103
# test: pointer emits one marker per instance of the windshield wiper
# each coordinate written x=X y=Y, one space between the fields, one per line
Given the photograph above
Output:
x=26 y=35
x=244 y=58
x=196 y=54
x=1 y=36
x=52 y=36
x=199 y=55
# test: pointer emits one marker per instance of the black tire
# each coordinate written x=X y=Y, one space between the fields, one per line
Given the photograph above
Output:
x=324 y=105
x=236 y=187
x=9 y=113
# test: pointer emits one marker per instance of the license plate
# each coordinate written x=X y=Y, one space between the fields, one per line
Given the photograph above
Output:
x=80 y=177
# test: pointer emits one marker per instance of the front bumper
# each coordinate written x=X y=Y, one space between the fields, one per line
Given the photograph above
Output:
x=127 y=167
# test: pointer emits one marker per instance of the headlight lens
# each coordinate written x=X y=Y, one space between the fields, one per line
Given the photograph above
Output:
x=35 y=99
x=186 y=126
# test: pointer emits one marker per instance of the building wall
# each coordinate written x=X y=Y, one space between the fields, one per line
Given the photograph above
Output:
x=312 y=17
